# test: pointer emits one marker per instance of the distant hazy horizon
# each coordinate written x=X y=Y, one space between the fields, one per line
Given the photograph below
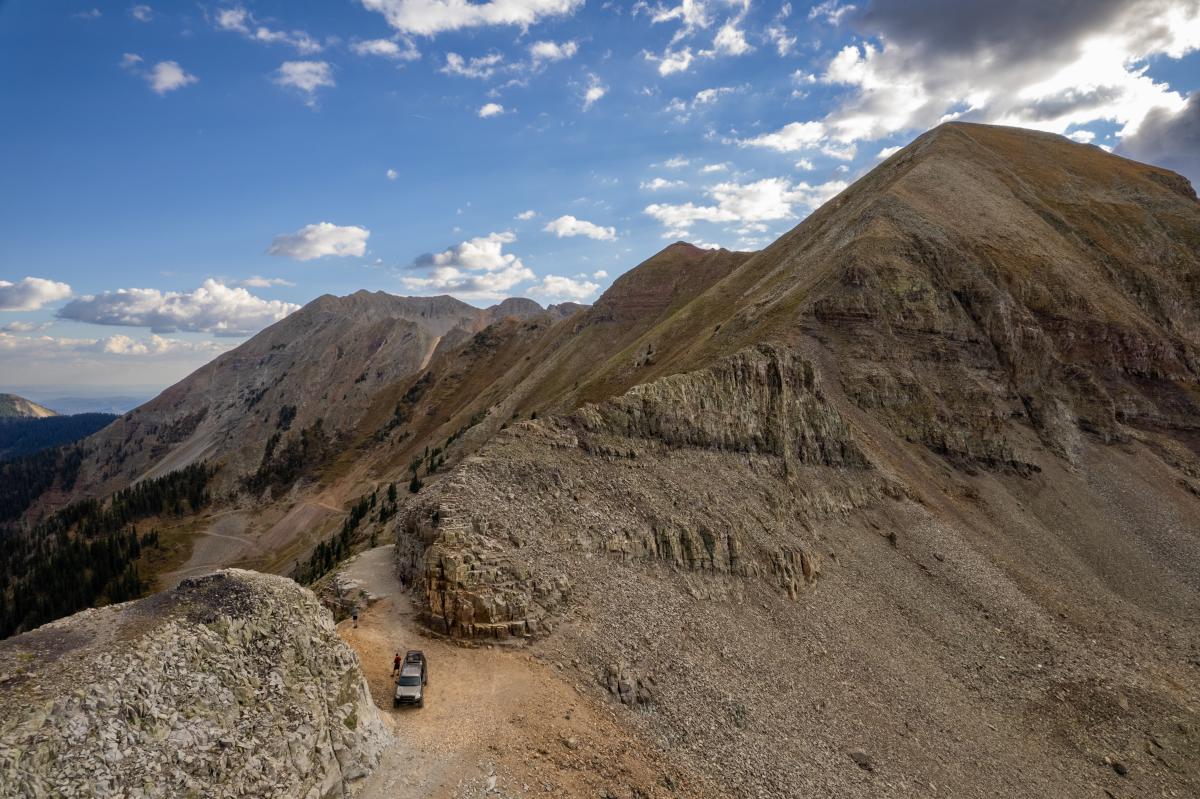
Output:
x=86 y=399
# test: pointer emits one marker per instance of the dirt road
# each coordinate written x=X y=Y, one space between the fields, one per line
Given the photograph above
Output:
x=224 y=543
x=496 y=721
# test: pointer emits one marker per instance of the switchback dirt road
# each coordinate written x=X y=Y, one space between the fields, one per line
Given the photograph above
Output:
x=497 y=721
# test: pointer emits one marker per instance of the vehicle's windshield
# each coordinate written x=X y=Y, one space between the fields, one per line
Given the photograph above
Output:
x=412 y=679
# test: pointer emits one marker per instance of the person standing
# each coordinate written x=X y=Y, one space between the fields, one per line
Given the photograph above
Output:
x=396 y=665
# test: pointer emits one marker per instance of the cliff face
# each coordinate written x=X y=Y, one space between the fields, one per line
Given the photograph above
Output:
x=764 y=400
x=233 y=684
x=663 y=473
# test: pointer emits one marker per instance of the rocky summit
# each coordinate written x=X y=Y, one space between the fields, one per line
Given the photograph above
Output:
x=230 y=685
x=905 y=504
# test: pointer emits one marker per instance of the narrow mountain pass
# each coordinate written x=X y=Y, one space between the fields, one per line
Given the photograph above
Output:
x=496 y=721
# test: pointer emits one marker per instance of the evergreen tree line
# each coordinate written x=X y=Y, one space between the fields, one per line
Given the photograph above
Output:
x=85 y=553
x=387 y=509
x=176 y=493
x=435 y=459
x=282 y=466
x=24 y=479
x=329 y=553
x=21 y=436
x=404 y=408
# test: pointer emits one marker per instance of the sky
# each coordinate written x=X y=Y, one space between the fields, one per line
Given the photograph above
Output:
x=176 y=176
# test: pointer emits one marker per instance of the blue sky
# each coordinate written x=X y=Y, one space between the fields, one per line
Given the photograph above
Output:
x=178 y=175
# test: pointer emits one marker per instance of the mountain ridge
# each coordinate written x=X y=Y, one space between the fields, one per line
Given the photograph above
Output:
x=13 y=406
x=927 y=468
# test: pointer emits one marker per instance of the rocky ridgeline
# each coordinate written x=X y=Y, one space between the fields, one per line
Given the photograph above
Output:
x=491 y=550
x=764 y=400
x=234 y=684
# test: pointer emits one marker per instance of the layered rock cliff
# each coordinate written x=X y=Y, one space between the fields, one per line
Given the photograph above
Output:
x=232 y=685
x=621 y=477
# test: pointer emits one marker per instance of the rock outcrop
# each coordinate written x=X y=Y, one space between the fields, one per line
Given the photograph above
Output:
x=234 y=684
x=495 y=569
x=763 y=400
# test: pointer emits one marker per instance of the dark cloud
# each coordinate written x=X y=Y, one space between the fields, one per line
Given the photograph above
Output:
x=1169 y=140
x=1015 y=29
x=1070 y=101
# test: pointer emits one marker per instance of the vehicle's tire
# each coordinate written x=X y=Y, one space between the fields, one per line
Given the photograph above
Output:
x=421 y=702
x=395 y=702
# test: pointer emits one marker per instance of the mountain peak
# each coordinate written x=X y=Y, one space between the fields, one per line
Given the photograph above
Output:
x=13 y=406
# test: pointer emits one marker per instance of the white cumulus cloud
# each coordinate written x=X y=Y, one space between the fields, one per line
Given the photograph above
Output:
x=695 y=16
x=395 y=50
x=23 y=327
x=430 y=17
x=595 y=90
x=477 y=268
x=552 y=51
x=238 y=20
x=321 y=239
x=792 y=137
x=481 y=67
x=568 y=225
x=119 y=344
x=672 y=61
x=560 y=289
x=167 y=76
x=658 y=184
x=141 y=12
x=258 y=282
x=765 y=200
x=31 y=293
x=490 y=110
x=212 y=308
x=307 y=76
